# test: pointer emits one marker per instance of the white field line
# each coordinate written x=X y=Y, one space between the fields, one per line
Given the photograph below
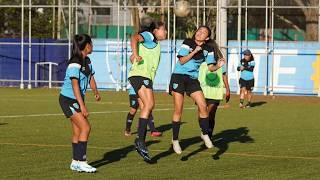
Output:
x=101 y=112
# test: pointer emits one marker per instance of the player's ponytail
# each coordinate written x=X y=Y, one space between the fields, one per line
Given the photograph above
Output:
x=213 y=44
x=79 y=43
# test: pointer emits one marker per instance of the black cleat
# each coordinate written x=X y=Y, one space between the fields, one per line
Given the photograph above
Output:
x=142 y=150
x=248 y=105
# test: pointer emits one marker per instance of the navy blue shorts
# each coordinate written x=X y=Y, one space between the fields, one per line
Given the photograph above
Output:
x=138 y=81
x=69 y=106
x=133 y=101
x=182 y=83
x=213 y=101
x=248 y=84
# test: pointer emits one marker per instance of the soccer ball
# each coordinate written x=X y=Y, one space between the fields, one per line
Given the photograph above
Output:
x=182 y=8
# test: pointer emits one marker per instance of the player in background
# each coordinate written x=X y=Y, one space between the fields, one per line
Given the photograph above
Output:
x=134 y=102
x=212 y=85
x=246 y=80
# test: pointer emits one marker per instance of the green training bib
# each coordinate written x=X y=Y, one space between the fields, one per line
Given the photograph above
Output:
x=211 y=82
x=148 y=66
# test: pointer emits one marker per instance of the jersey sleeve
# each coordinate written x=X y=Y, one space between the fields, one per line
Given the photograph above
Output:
x=252 y=63
x=73 y=71
x=210 y=58
x=224 y=69
x=184 y=49
x=250 y=66
x=239 y=65
x=90 y=66
x=92 y=70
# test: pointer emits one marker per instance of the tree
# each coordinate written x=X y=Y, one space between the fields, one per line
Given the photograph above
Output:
x=135 y=15
x=311 y=15
x=10 y=19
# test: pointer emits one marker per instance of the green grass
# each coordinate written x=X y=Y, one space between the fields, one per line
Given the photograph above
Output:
x=277 y=139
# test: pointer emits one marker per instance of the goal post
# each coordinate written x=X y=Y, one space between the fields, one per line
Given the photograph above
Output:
x=37 y=65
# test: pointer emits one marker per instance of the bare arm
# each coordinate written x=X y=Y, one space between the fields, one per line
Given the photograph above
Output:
x=135 y=39
x=93 y=86
x=226 y=85
x=219 y=64
x=186 y=58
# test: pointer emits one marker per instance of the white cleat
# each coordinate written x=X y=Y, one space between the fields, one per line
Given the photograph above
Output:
x=83 y=166
x=207 y=141
x=74 y=165
x=176 y=146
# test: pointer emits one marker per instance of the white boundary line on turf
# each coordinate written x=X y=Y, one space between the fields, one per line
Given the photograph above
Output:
x=161 y=150
x=101 y=112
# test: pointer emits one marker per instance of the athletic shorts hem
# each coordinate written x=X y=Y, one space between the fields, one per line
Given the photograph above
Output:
x=213 y=101
x=138 y=81
x=69 y=106
x=133 y=101
x=248 y=84
x=182 y=83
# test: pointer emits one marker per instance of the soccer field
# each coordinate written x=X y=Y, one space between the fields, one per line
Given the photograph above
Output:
x=276 y=139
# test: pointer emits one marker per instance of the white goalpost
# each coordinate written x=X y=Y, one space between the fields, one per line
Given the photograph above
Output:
x=50 y=72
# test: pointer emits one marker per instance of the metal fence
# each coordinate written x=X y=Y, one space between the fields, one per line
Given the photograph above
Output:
x=230 y=20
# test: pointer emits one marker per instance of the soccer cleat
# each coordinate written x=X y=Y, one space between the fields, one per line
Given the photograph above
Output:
x=74 y=165
x=206 y=140
x=176 y=146
x=142 y=150
x=156 y=134
x=241 y=105
x=248 y=105
x=83 y=166
x=127 y=133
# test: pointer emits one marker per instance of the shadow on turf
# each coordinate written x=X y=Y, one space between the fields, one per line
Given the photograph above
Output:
x=224 y=138
x=3 y=124
x=163 y=128
x=184 y=143
x=221 y=142
x=259 y=103
x=117 y=155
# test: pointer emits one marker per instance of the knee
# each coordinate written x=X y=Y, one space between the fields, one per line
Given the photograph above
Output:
x=86 y=129
x=202 y=108
x=75 y=135
x=133 y=111
x=149 y=106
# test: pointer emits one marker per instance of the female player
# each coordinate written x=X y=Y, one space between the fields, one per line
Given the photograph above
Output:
x=78 y=75
x=145 y=57
x=134 y=102
x=212 y=85
x=185 y=80
x=246 y=80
